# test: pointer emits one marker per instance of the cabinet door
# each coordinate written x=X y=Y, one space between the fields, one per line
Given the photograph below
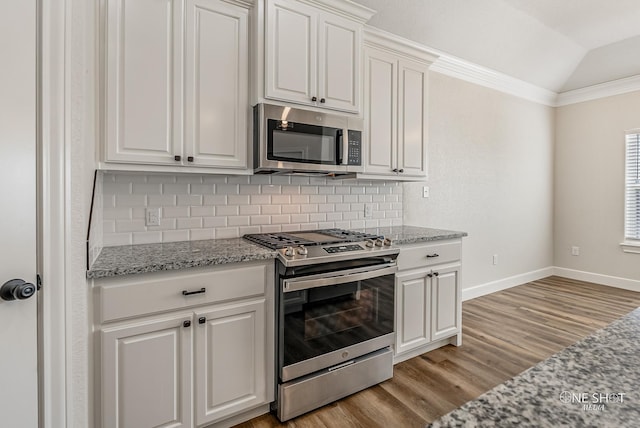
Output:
x=146 y=371
x=230 y=371
x=380 y=112
x=412 y=119
x=216 y=84
x=291 y=51
x=339 y=63
x=141 y=81
x=413 y=318
x=446 y=294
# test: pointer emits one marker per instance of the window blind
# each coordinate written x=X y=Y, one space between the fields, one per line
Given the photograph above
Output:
x=632 y=187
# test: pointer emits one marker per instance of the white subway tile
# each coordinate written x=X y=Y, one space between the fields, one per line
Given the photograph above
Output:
x=260 y=199
x=290 y=227
x=290 y=209
x=119 y=188
x=270 y=189
x=238 y=179
x=391 y=198
x=350 y=198
x=175 y=235
x=238 y=199
x=377 y=215
x=317 y=180
x=317 y=199
x=161 y=200
x=396 y=205
x=299 y=199
x=189 y=223
x=326 y=208
x=227 y=189
x=326 y=225
x=201 y=189
x=204 y=211
x=146 y=237
x=397 y=222
x=270 y=209
x=138 y=212
x=129 y=201
x=343 y=190
x=161 y=178
x=309 y=190
x=249 y=209
x=299 y=218
x=365 y=198
x=226 y=210
x=343 y=207
x=175 y=188
x=109 y=226
x=189 y=200
x=130 y=178
x=249 y=229
x=280 y=179
x=357 y=207
x=371 y=223
x=214 y=179
x=280 y=199
x=200 y=234
x=249 y=189
x=357 y=190
x=108 y=177
x=308 y=226
x=343 y=224
x=189 y=179
x=271 y=228
x=357 y=224
x=300 y=180
x=290 y=190
x=280 y=219
x=241 y=220
x=115 y=239
x=260 y=179
x=371 y=190
x=334 y=216
x=116 y=213
x=210 y=200
x=384 y=206
x=146 y=188
x=377 y=198
x=260 y=219
x=385 y=222
x=130 y=226
x=334 y=199
x=318 y=217
x=309 y=208
x=227 y=232
x=350 y=215
x=165 y=224
x=175 y=212
x=214 y=222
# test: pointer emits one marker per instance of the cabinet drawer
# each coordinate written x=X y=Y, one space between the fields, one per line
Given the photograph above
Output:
x=419 y=255
x=120 y=298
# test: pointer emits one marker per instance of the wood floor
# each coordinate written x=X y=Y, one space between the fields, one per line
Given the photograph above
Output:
x=504 y=334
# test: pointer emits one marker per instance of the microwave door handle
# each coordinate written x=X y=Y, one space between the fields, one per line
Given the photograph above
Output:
x=339 y=154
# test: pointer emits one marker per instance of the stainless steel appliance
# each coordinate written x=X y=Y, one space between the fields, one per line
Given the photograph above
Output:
x=290 y=140
x=335 y=307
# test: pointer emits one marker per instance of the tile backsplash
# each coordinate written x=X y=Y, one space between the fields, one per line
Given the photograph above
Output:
x=196 y=207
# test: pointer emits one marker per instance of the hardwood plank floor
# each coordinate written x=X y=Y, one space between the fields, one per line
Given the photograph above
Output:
x=504 y=334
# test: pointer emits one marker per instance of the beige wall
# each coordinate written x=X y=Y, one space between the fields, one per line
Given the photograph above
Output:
x=491 y=175
x=589 y=186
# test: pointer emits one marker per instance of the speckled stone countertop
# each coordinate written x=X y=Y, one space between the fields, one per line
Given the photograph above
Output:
x=593 y=383
x=133 y=259
x=412 y=234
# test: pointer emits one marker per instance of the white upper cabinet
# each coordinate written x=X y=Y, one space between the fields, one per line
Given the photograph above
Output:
x=176 y=83
x=312 y=55
x=395 y=110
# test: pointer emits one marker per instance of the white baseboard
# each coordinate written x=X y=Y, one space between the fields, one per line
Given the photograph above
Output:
x=611 y=281
x=503 y=284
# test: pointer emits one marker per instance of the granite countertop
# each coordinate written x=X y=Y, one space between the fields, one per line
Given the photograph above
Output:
x=143 y=258
x=133 y=259
x=593 y=383
x=400 y=235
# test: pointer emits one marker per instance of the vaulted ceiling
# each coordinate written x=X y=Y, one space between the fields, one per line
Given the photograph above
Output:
x=558 y=45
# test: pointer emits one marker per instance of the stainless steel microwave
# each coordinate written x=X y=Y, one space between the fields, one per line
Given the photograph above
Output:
x=290 y=140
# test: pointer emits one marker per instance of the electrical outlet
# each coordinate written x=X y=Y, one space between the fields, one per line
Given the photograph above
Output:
x=495 y=259
x=425 y=192
x=152 y=217
x=575 y=251
x=368 y=210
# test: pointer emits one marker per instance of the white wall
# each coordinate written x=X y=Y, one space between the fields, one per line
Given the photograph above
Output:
x=491 y=175
x=589 y=189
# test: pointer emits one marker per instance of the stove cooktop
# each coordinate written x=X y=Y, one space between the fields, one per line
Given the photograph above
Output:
x=279 y=240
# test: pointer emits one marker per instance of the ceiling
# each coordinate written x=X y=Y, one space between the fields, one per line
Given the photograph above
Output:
x=558 y=45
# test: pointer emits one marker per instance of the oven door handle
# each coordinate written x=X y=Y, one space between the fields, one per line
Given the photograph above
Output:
x=289 y=285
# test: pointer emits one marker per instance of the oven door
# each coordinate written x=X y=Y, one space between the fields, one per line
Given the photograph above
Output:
x=330 y=318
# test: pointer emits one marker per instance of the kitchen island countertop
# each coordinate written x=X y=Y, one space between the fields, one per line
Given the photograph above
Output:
x=144 y=258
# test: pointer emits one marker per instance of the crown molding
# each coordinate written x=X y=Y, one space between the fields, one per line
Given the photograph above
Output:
x=602 y=90
x=464 y=70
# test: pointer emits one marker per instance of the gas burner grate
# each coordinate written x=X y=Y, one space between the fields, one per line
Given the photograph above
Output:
x=282 y=240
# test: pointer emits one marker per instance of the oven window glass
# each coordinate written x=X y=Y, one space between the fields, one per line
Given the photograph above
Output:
x=302 y=143
x=325 y=319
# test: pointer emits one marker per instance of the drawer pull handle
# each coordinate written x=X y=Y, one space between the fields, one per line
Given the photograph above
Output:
x=189 y=293
x=431 y=256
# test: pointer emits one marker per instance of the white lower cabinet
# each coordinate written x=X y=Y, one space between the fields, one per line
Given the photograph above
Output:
x=428 y=298
x=207 y=362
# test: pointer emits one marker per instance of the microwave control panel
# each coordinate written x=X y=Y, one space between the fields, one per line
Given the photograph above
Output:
x=354 y=148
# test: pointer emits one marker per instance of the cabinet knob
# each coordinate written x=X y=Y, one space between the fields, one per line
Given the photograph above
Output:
x=186 y=324
x=314 y=99
x=322 y=100
x=189 y=158
x=430 y=275
x=395 y=170
x=401 y=170
x=178 y=158
x=436 y=274
x=202 y=320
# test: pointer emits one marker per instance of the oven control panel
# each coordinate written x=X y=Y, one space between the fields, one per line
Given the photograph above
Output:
x=343 y=248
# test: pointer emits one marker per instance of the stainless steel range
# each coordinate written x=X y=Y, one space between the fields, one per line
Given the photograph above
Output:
x=334 y=308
